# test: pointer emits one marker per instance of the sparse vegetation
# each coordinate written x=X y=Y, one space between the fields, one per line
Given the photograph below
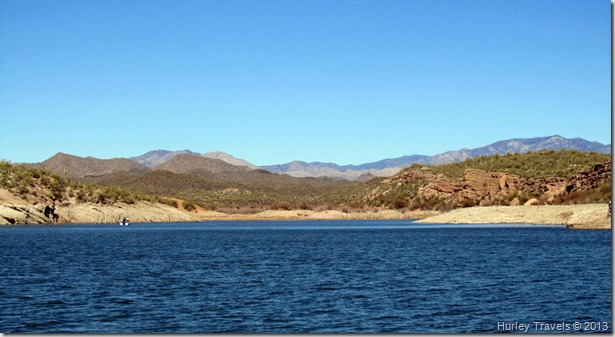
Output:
x=601 y=194
x=247 y=191
x=26 y=181
x=538 y=165
x=168 y=202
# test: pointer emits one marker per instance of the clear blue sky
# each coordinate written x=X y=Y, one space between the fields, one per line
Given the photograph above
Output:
x=273 y=81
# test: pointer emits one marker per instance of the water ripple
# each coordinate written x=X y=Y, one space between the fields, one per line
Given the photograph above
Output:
x=348 y=278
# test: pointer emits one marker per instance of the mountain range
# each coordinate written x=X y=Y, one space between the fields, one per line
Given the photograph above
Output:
x=388 y=167
x=187 y=161
x=157 y=157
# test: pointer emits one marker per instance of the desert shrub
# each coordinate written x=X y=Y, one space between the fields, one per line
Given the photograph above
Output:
x=305 y=206
x=37 y=174
x=28 y=181
x=446 y=206
x=22 y=189
x=5 y=166
x=128 y=199
x=430 y=203
x=468 y=203
x=148 y=198
x=115 y=194
x=376 y=202
x=82 y=196
x=400 y=203
x=99 y=198
x=189 y=206
x=57 y=192
x=600 y=194
x=168 y=202
x=604 y=191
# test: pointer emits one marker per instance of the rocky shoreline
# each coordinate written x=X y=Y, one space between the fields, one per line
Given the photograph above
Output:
x=92 y=213
x=584 y=216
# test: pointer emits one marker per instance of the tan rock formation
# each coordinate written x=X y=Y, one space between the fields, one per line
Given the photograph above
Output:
x=478 y=184
x=442 y=187
x=532 y=202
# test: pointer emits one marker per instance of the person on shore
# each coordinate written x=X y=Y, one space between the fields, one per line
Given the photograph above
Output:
x=50 y=212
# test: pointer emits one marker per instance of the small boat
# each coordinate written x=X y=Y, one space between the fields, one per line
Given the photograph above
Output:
x=125 y=222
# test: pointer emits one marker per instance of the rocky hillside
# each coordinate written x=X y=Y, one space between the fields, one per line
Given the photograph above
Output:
x=440 y=187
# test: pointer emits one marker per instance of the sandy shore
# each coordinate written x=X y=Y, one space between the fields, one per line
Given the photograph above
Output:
x=313 y=215
x=586 y=216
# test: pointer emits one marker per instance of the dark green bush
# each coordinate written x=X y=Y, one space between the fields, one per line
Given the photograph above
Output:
x=189 y=205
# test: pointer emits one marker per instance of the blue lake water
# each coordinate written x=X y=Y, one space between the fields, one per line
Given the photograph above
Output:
x=302 y=277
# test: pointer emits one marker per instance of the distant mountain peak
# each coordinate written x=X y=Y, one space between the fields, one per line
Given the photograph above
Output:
x=157 y=157
x=229 y=159
x=191 y=163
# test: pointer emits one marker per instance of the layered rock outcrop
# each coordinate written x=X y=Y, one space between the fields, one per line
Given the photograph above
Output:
x=485 y=188
x=479 y=184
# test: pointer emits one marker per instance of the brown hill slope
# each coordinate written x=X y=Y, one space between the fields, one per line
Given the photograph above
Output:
x=89 y=168
x=252 y=189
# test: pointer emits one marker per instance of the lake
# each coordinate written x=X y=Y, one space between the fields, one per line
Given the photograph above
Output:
x=303 y=277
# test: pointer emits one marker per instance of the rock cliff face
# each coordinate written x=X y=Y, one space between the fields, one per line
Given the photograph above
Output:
x=484 y=186
x=478 y=187
x=592 y=178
